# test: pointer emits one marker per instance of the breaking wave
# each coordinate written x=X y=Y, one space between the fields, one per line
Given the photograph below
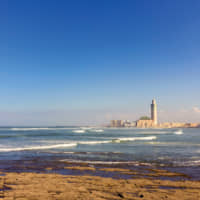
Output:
x=172 y=143
x=187 y=163
x=154 y=132
x=100 y=162
x=79 y=131
x=178 y=132
x=118 y=140
x=38 y=147
x=135 y=138
x=29 y=129
x=95 y=142
x=98 y=130
x=36 y=129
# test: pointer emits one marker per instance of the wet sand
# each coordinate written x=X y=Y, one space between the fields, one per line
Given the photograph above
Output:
x=89 y=184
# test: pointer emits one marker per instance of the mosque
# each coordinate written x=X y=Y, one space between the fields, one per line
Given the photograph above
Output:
x=148 y=123
x=142 y=122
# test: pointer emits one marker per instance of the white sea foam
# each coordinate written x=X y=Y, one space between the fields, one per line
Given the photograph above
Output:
x=86 y=128
x=178 y=132
x=196 y=161
x=172 y=144
x=153 y=132
x=98 y=130
x=136 y=163
x=187 y=163
x=88 y=152
x=38 y=147
x=79 y=131
x=36 y=129
x=95 y=142
x=28 y=129
x=75 y=143
x=100 y=162
x=68 y=152
x=134 y=139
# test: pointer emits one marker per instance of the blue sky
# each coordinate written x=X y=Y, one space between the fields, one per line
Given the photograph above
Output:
x=86 y=62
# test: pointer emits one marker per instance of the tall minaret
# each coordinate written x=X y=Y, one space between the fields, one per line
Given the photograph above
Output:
x=154 y=112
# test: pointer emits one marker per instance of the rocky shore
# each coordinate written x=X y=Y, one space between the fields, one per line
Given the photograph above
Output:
x=87 y=184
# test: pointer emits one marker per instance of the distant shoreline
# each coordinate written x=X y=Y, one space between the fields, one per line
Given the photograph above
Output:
x=151 y=127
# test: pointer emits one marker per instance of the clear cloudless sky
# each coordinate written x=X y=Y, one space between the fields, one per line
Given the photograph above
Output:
x=86 y=62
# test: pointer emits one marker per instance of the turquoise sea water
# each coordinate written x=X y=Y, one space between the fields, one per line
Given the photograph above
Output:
x=164 y=147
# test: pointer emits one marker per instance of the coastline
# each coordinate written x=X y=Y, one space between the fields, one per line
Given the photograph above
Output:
x=130 y=167
x=88 y=182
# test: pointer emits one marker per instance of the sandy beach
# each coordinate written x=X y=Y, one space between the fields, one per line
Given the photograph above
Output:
x=151 y=184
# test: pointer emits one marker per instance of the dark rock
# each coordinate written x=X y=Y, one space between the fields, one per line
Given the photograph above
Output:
x=120 y=195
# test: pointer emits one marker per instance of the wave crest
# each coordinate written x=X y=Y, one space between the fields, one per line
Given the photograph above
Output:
x=38 y=147
x=135 y=138
x=178 y=132
x=79 y=131
x=118 y=140
x=95 y=142
x=98 y=130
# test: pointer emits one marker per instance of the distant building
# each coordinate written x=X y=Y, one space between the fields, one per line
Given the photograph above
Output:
x=154 y=112
x=145 y=123
x=149 y=123
x=127 y=123
x=117 y=123
x=133 y=124
x=178 y=125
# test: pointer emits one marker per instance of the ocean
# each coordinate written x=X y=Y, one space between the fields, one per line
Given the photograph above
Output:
x=179 y=148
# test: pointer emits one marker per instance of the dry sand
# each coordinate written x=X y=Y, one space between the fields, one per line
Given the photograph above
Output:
x=32 y=186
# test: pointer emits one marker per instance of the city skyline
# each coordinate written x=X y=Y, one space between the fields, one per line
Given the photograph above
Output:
x=78 y=117
x=85 y=63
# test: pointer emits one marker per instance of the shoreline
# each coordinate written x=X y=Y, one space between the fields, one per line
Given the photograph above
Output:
x=88 y=182
x=65 y=167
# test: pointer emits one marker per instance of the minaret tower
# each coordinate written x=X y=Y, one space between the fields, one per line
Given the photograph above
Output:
x=154 y=112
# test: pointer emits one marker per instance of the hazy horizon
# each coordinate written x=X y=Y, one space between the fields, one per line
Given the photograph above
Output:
x=87 y=62
x=88 y=117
